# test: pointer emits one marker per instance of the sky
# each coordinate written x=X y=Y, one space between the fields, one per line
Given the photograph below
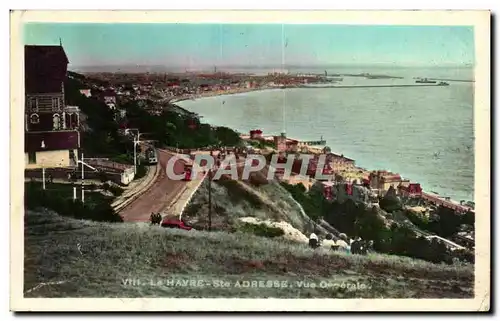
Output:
x=257 y=45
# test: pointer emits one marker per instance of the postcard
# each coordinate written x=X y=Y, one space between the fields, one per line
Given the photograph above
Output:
x=250 y=161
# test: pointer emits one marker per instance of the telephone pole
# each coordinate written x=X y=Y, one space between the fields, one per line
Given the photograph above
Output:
x=210 y=199
x=83 y=175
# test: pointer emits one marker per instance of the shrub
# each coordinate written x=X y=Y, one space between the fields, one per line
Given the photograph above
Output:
x=262 y=230
x=116 y=190
x=123 y=159
x=464 y=255
x=66 y=206
x=141 y=171
x=103 y=177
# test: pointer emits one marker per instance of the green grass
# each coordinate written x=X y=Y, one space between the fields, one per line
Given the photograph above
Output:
x=66 y=191
x=65 y=257
x=261 y=230
x=235 y=199
x=59 y=198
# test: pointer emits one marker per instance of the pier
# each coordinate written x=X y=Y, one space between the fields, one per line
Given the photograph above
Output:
x=312 y=142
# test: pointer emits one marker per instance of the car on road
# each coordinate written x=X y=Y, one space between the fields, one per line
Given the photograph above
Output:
x=175 y=223
x=151 y=156
x=188 y=168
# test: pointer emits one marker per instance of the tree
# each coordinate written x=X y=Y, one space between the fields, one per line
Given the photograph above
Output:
x=390 y=202
x=370 y=226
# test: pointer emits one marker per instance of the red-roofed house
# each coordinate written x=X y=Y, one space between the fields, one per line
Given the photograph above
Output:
x=51 y=130
x=86 y=92
x=383 y=180
x=412 y=190
x=256 y=134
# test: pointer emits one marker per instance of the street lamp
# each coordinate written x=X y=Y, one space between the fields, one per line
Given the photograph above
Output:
x=83 y=175
x=210 y=177
x=136 y=142
x=42 y=145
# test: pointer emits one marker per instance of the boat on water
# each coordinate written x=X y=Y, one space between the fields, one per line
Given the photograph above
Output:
x=425 y=81
x=443 y=83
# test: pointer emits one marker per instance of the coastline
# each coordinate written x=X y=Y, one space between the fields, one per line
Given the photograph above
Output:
x=357 y=173
x=219 y=93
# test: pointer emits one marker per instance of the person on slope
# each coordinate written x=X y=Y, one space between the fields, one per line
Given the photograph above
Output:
x=328 y=243
x=313 y=240
x=369 y=247
x=342 y=243
x=358 y=247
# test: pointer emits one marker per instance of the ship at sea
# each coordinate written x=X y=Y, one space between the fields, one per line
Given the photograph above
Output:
x=425 y=81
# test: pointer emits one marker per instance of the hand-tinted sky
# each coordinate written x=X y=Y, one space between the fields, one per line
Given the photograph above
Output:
x=195 y=45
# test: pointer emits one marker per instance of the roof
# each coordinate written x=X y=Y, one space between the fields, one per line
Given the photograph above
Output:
x=45 y=68
x=60 y=140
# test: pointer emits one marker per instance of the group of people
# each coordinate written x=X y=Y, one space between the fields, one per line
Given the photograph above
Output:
x=155 y=218
x=341 y=243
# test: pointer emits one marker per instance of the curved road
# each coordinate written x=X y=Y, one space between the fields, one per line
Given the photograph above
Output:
x=163 y=191
x=159 y=195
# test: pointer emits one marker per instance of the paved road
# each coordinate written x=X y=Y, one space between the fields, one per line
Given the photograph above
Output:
x=160 y=194
x=163 y=192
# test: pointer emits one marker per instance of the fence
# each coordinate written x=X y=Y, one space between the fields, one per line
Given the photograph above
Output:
x=107 y=164
x=76 y=174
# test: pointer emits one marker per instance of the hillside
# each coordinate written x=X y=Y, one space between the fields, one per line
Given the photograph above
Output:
x=65 y=257
x=256 y=197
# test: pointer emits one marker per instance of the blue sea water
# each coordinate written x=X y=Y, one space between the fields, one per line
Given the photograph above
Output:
x=424 y=133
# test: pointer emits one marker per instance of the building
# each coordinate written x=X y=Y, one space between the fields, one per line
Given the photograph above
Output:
x=383 y=180
x=412 y=190
x=284 y=144
x=312 y=167
x=51 y=138
x=86 y=92
x=340 y=163
x=109 y=97
x=280 y=142
x=256 y=134
x=292 y=145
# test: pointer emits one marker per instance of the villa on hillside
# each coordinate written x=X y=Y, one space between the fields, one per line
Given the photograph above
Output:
x=52 y=138
x=86 y=92
x=382 y=180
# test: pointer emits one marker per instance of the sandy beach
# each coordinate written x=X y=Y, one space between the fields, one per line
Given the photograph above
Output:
x=219 y=93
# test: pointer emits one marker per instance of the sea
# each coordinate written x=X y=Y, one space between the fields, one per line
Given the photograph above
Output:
x=426 y=133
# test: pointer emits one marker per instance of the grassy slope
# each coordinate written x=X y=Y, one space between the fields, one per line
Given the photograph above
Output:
x=111 y=253
x=232 y=199
x=256 y=197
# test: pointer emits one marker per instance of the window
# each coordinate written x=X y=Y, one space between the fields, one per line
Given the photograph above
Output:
x=33 y=104
x=55 y=104
x=31 y=157
x=57 y=122
x=34 y=119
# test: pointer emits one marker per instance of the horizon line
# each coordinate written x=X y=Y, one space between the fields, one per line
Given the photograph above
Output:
x=245 y=66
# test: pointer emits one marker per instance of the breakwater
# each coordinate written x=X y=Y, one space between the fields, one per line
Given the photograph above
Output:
x=373 y=86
